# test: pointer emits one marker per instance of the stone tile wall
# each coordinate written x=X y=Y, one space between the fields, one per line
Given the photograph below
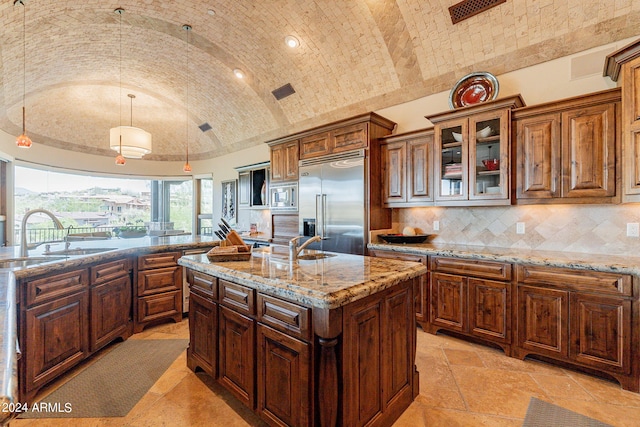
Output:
x=584 y=228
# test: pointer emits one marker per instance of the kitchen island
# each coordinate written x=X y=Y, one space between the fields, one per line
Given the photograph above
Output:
x=328 y=341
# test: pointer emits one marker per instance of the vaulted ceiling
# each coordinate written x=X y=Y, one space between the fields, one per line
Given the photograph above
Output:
x=354 y=56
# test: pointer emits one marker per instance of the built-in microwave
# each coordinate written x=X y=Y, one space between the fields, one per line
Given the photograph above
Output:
x=284 y=196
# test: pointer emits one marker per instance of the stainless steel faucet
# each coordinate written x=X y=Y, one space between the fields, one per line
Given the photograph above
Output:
x=294 y=250
x=24 y=248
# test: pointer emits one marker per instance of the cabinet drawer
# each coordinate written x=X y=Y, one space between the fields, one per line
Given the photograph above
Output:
x=284 y=316
x=398 y=255
x=159 y=306
x=159 y=280
x=164 y=259
x=472 y=267
x=203 y=283
x=578 y=280
x=53 y=287
x=110 y=270
x=241 y=298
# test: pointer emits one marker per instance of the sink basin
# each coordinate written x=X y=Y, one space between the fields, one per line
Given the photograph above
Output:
x=307 y=257
x=25 y=261
x=79 y=251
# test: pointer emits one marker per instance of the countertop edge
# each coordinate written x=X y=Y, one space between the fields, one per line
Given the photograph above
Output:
x=575 y=260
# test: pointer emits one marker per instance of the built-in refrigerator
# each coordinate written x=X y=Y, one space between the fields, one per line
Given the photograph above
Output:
x=332 y=202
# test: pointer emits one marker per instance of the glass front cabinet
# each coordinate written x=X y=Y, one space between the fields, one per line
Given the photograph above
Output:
x=472 y=154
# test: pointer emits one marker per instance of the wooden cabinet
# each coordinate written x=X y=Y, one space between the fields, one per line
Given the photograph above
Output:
x=623 y=66
x=472 y=158
x=472 y=297
x=333 y=141
x=566 y=150
x=284 y=161
x=579 y=317
x=284 y=378
x=253 y=186
x=110 y=303
x=159 y=289
x=296 y=365
x=407 y=169
x=56 y=339
x=421 y=292
x=376 y=339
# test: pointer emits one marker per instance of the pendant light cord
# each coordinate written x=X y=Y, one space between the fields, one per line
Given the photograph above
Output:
x=120 y=11
x=24 y=65
x=188 y=28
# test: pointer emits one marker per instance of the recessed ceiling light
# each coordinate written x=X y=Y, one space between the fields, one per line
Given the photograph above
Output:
x=292 y=42
x=211 y=12
x=239 y=73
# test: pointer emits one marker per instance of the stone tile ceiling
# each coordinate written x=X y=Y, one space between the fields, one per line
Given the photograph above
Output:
x=355 y=56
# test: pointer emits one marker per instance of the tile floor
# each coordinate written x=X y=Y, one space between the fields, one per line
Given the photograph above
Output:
x=461 y=384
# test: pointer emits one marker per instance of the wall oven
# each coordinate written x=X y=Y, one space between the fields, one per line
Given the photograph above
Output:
x=284 y=197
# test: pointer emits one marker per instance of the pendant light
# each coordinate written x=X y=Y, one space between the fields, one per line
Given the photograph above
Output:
x=187 y=167
x=120 y=161
x=23 y=141
x=128 y=141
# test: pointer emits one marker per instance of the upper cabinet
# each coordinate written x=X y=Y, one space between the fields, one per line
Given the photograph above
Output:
x=284 y=161
x=472 y=154
x=566 y=150
x=339 y=140
x=253 y=186
x=623 y=66
x=407 y=163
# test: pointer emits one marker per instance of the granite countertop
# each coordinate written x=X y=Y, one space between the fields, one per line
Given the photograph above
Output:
x=582 y=261
x=323 y=283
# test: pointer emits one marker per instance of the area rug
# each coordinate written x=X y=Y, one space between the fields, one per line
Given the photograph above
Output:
x=543 y=414
x=112 y=385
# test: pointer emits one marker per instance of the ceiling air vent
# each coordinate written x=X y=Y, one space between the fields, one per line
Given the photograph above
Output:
x=468 y=8
x=205 y=127
x=284 y=91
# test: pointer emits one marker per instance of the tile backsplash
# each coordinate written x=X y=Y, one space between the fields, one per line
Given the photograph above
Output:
x=600 y=229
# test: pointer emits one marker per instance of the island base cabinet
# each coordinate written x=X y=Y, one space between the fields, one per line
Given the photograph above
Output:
x=237 y=355
x=284 y=378
x=57 y=340
x=203 y=330
x=379 y=340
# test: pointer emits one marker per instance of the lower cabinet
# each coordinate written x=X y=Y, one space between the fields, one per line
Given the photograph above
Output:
x=284 y=378
x=110 y=311
x=357 y=368
x=580 y=317
x=203 y=330
x=237 y=355
x=159 y=289
x=421 y=292
x=472 y=297
x=57 y=340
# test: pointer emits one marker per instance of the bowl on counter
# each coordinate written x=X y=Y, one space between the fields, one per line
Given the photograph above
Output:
x=491 y=164
x=457 y=136
x=402 y=238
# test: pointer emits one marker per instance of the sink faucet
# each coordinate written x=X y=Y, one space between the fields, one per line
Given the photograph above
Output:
x=294 y=250
x=24 y=248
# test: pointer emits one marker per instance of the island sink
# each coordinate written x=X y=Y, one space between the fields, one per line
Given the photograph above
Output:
x=26 y=261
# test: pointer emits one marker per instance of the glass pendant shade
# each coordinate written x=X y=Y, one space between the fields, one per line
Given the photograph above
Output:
x=120 y=160
x=186 y=167
x=23 y=141
x=136 y=142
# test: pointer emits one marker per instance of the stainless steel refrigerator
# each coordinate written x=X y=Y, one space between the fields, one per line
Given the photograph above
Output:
x=332 y=202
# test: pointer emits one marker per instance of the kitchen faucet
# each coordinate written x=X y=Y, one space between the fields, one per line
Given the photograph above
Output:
x=294 y=250
x=24 y=248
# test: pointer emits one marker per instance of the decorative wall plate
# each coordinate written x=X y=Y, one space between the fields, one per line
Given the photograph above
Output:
x=473 y=89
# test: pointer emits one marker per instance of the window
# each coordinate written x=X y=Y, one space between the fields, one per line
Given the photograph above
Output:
x=86 y=203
